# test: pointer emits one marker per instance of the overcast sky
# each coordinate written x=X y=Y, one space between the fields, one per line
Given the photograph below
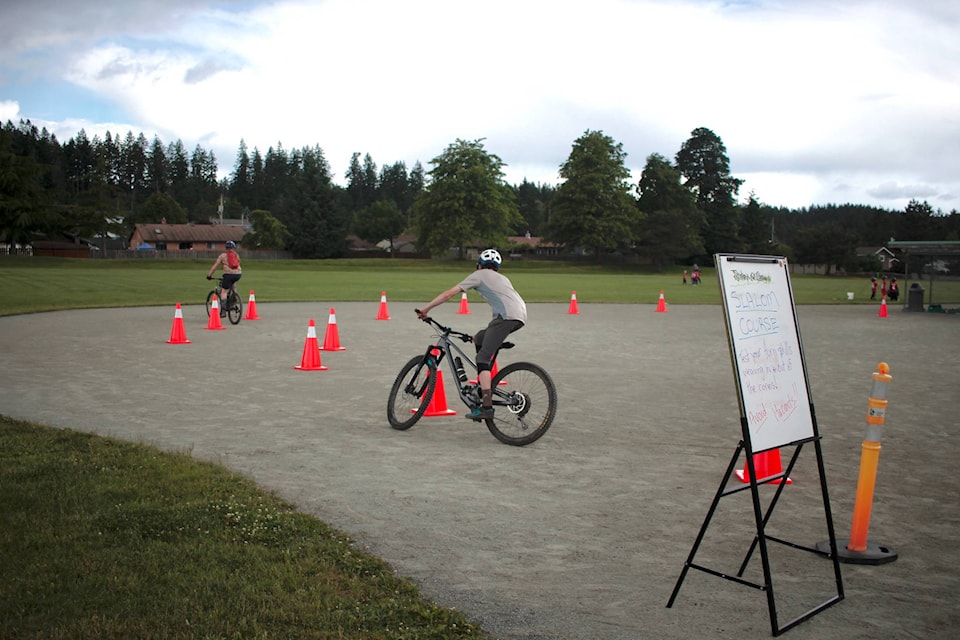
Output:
x=817 y=102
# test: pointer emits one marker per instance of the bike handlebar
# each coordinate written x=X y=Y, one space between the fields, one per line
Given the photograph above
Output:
x=446 y=330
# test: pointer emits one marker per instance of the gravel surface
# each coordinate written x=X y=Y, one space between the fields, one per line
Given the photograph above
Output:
x=584 y=533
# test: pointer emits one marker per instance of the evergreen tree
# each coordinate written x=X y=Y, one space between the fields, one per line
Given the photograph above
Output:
x=534 y=201
x=158 y=168
x=23 y=214
x=670 y=229
x=80 y=159
x=917 y=222
x=257 y=196
x=755 y=230
x=318 y=225
x=204 y=187
x=277 y=171
x=241 y=183
x=703 y=162
x=133 y=169
x=393 y=184
x=179 y=164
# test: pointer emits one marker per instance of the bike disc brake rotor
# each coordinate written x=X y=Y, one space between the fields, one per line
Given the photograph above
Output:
x=519 y=404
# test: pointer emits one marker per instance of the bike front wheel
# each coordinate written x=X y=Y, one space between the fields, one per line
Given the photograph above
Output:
x=525 y=405
x=210 y=301
x=410 y=394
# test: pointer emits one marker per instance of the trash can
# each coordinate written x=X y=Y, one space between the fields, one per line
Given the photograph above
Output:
x=915 y=297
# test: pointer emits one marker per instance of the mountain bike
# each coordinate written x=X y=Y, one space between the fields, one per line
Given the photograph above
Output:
x=232 y=305
x=524 y=396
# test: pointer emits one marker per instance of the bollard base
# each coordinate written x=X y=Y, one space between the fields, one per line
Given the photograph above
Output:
x=874 y=553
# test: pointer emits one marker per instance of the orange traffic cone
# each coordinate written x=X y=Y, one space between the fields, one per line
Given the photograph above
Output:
x=178 y=335
x=382 y=312
x=310 y=361
x=574 y=309
x=438 y=403
x=331 y=341
x=883 y=308
x=251 y=308
x=464 y=307
x=661 y=304
x=214 y=321
x=766 y=464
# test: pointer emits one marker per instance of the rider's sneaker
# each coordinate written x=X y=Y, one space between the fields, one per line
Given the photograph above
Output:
x=480 y=413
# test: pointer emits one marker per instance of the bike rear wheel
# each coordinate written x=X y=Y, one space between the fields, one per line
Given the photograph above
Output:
x=410 y=394
x=530 y=399
x=234 y=308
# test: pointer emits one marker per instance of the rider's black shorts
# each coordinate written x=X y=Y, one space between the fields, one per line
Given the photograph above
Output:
x=488 y=341
x=230 y=279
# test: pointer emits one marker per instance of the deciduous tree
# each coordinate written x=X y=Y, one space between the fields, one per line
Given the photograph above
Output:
x=466 y=201
x=382 y=220
x=593 y=207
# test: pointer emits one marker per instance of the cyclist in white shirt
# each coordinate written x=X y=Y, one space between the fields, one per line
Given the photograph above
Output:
x=509 y=315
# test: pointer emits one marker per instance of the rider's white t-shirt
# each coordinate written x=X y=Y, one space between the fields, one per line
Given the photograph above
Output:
x=498 y=291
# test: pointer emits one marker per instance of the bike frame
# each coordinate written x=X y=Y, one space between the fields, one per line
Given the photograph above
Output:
x=445 y=346
x=220 y=288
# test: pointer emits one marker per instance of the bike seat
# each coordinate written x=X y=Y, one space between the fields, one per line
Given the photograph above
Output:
x=507 y=345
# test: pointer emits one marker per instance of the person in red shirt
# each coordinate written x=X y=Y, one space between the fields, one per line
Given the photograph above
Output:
x=232 y=271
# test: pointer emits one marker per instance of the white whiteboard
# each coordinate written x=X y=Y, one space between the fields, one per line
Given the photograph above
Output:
x=765 y=349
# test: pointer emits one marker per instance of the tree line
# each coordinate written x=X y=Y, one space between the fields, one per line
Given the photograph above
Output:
x=681 y=210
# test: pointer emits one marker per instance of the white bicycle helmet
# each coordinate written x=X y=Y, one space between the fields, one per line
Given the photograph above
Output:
x=231 y=244
x=490 y=258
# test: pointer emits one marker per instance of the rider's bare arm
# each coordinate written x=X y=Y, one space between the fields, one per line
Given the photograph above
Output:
x=440 y=299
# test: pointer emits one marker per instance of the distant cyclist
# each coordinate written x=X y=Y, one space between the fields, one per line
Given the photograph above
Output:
x=232 y=272
x=509 y=315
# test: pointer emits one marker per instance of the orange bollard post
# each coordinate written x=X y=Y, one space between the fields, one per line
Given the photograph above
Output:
x=858 y=550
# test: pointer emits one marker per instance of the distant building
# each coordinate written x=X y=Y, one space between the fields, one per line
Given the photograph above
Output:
x=184 y=237
x=886 y=259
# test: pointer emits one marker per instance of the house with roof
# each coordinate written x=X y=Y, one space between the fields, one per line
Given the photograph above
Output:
x=886 y=259
x=184 y=237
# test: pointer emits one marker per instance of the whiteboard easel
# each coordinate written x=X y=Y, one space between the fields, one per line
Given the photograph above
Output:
x=765 y=347
x=775 y=411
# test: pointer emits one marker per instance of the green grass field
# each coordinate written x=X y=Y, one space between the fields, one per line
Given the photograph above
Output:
x=29 y=285
x=113 y=540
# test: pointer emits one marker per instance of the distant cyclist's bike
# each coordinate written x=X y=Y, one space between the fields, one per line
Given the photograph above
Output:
x=524 y=396
x=232 y=305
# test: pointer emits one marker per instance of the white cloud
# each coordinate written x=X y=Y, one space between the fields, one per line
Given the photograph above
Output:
x=816 y=102
x=9 y=110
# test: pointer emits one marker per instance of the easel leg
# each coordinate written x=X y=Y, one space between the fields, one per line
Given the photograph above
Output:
x=706 y=523
x=769 y=511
